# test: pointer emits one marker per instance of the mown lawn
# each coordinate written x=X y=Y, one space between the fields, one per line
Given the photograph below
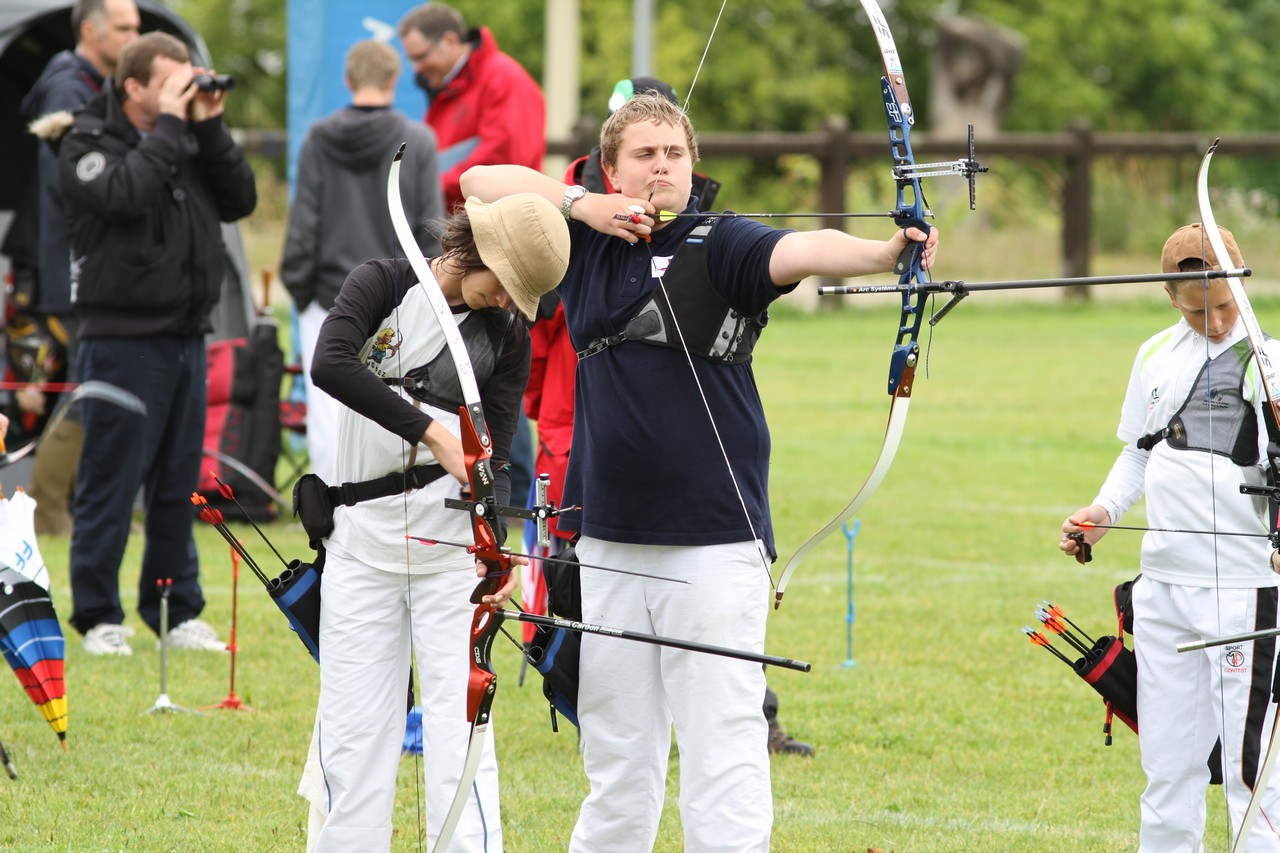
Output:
x=950 y=733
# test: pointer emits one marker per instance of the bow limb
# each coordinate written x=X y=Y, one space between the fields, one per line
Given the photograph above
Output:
x=1271 y=413
x=912 y=212
x=478 y=451
x=482 y=686
x=1267 y=369
x=888 y=449
x=93 y=389
x=476 y=444
x=1255 y=801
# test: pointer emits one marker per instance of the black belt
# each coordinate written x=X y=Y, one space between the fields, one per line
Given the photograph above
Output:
x=350 y=494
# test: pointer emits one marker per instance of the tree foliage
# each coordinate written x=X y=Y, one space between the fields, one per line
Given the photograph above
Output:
x=1160 y=65
x=786 y=64
x=1157 y=65
x=246 y=38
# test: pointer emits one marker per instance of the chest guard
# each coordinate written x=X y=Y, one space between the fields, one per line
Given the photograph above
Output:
x=712 y=329
x=1215 y=417
x=436 y=382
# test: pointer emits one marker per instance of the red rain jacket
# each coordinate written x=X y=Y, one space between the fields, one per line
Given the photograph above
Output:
x=493 y=111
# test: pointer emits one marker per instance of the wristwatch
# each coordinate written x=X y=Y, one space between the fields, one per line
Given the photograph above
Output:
x=571 y=195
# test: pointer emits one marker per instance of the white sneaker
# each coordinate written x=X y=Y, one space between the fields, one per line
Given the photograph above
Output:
x=195 y=634
x=108 y=639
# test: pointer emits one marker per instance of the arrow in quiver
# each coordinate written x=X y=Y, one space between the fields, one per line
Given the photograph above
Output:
x=1106 y=664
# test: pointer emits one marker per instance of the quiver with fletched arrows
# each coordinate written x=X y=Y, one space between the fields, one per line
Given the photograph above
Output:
x=1111 y=668
x=554 y=652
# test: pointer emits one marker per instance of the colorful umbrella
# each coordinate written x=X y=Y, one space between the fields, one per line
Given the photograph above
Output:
x=32 y=643
x=30 y=636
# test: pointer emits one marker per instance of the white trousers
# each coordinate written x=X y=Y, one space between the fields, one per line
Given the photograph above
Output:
x=322 y=410
x=1187 y=701
x=365 y=621
x=631 y=693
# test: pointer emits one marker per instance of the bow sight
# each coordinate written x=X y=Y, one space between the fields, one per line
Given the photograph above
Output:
x=967 y=168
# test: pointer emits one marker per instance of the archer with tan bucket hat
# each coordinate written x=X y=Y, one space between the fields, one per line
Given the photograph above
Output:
x=1195 y=429
x=382 y=355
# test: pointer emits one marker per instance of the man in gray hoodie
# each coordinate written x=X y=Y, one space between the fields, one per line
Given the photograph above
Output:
x=339 y=218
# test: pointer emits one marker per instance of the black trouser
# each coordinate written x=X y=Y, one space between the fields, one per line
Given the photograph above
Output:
x=123 y=451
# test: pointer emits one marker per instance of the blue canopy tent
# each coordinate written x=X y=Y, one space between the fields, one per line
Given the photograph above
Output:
x=320 y=34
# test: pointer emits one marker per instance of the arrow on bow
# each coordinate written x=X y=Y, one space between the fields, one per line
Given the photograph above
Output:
x=654 y=639
x=423 y=540
x=912 y=211
x=960 y=289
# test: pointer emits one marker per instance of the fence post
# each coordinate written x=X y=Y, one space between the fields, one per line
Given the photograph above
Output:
x=1077 y=206
x=834 y=165
x=586 y=132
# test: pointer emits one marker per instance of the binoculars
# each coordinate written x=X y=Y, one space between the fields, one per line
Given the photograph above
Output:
x=214 y=82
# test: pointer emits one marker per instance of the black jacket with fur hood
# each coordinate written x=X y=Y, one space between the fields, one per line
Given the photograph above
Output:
x=143 y=211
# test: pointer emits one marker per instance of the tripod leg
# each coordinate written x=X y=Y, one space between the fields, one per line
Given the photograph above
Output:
x=8 y=765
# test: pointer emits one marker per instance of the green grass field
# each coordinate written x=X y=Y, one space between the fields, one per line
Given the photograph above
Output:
x=951 y=732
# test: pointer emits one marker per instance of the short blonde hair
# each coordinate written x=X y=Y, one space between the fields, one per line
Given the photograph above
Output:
x=647 y=106
x=372 y=64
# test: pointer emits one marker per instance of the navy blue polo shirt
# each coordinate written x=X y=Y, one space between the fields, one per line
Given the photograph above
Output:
x=645 y=465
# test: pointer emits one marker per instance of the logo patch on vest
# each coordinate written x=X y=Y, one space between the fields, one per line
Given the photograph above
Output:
x=90 y=166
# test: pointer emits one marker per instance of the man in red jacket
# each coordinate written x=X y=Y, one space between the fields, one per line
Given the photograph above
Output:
x=484 y=107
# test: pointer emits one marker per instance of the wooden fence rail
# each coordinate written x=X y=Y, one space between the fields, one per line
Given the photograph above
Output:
x=835 y=148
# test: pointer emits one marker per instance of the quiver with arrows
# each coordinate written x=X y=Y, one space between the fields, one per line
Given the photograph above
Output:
x=1111 y=668
x=554 y=652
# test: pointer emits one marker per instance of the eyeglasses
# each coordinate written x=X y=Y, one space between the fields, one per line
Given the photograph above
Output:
x=417 y=58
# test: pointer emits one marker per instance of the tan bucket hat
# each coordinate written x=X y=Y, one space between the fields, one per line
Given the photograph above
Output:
x=524 y=240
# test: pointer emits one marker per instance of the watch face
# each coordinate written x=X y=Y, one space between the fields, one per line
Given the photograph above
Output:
x=571 y=195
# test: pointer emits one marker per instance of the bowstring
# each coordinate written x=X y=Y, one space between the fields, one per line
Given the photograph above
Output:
x=1213 y=514
x=702 y=60
x=660 y=275
x=419 y=798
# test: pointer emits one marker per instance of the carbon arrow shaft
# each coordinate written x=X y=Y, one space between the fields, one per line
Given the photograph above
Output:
x=429 y=541
x=654 y=639
x=1091 y=526
x=1029 y=283
x=1223 y=641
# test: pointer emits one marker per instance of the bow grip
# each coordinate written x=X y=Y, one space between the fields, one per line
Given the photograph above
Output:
x=908 y=263
x=493 y=579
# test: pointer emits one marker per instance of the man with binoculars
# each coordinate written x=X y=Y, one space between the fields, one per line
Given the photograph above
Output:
x=148 y=169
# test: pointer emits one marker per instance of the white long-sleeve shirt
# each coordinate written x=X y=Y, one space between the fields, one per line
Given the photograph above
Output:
x=1185 y=488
